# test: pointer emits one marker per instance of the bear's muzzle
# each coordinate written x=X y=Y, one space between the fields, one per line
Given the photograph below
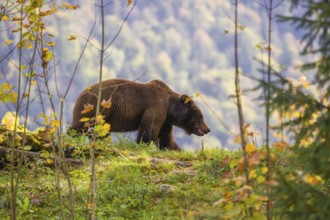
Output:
x=202 y=130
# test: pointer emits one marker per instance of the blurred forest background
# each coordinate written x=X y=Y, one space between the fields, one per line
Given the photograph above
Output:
x=187 y=44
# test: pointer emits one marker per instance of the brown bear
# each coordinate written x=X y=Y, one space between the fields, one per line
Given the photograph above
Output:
x=152 y=108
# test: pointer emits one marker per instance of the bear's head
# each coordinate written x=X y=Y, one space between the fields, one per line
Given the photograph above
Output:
x=189 y=117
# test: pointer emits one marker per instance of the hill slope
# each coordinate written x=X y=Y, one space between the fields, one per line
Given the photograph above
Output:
x=135 y=182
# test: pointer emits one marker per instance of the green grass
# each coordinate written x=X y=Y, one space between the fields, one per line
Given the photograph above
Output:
x=131 y=184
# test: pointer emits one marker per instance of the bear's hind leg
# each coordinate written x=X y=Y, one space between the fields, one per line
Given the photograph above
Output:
x=149 y=129
x=145 y=136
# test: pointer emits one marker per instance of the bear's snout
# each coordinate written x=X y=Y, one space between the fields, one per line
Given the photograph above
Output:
x=202 y=130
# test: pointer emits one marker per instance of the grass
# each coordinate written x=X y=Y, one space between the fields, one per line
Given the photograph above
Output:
x=133 y=182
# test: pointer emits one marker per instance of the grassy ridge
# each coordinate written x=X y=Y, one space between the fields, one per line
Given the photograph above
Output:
x=134 y=182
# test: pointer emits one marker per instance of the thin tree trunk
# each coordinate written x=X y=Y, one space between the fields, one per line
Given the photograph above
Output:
x=238 y=98
x=268 y=175
x=13 y=188
x=91 y=206
x=239 y=102
x=24 y=136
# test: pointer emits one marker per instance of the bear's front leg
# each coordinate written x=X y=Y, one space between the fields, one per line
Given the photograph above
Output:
x=166 y=138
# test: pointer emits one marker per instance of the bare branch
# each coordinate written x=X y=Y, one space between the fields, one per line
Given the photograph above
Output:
x=121 y=26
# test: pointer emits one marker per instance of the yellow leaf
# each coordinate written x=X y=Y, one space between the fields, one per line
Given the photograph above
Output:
x=51 y=44
x=303 y=81
x=27 y=148
x=8 y=42
x=84 y=119
x=87 y=108
x=6 y=87
x=47 y=55
x=106 y=127
x=33 y=82
x=261 y=179
x=277 y=135
x=9 y=120
x=49 y=161
x=244 y=190
x=70 y=6
x=227 y=196
x=258 y=46
x=99 y=119
x=250 y=148
x=29 y=45
x=13 y=96
x=237 y=139
x=305 y=142
x=102 y=130
x=55 y=123
x=268 y=48
x=6 y=93
x=47 y=145
x=241 y=27
x=252 y=174
x=129 y=2
x=229 y=206
x=264 y=170
x=280 y=145
x=106 y=103
x=72 y=37
x=313 y=179
x=16 y=18
x=10 y=96
x=3 y=138
x=239 y=181
x=15 y=30
x=6 y=18
x=46 y=13
x=87 y=124
x=89 y=205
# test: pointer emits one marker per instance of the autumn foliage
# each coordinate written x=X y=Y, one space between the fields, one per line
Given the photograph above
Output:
x=287 y=177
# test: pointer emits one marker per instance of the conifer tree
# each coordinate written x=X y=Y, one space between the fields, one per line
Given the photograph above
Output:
x=304 y=193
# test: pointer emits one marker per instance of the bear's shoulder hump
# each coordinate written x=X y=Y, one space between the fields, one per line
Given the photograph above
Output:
x=158 y=83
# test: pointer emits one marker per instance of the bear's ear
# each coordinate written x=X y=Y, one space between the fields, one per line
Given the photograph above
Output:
x=185 y=99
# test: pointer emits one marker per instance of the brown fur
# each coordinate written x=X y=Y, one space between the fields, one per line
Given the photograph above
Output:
x=152 y=108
